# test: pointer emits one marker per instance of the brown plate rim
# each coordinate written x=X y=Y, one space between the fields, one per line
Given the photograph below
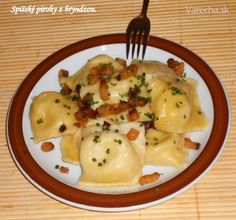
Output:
x=22 y=156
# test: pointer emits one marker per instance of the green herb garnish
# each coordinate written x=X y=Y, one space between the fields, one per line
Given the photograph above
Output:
x=96 y=139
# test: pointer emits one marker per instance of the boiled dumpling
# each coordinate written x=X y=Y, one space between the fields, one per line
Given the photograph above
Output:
x=176 y=106
x=52 y=115
x=165 y=149
x=81 y=75
x=70 y=147
x=108 y=159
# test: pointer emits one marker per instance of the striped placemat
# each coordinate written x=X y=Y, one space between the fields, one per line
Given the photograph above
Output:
x=26 y=39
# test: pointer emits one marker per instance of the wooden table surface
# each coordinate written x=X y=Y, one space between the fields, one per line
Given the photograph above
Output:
x=26 y=39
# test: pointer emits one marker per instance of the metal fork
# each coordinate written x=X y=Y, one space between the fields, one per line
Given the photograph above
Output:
x=137 y=31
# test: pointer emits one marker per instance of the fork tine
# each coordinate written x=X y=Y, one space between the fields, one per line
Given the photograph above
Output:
x=139 y=36
x=127 y=41
x=146 y=33
x=133 y=42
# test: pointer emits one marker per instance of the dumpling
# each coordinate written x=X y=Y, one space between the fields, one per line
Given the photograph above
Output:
x=81 y=75
x=123 y=128
x=153 y=69
x=52 y=115
x=70 y=147
x=165 y=149
x=176 y=105
x=108 y=159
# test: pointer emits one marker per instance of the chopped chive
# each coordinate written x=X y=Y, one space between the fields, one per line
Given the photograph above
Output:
x=116 y=130
x=57 y=166
x=39 y=121
x=122 y=117
x=96 y=139
x=75 y=97
x=118 y=141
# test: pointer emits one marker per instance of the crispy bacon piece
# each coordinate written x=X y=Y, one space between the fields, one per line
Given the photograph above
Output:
x=62 y=128
x=90 y=113
x=103 y=89
x=80 y=114
x=148 y=124
x=63 y=73
x=121 y=61
x=124 y=74
x=64 y=169
x=141 y=101
x=93 y=75
x=149 y=178
x=133 y=115
x=133 y=68
x=78 y=88
x=132 y=134
x=188 y=143
x=66 y=90
x=47 y=146
x=115 y=109
x=124 y=106
x=178 y=67
x=104 y=109
x=81 y=122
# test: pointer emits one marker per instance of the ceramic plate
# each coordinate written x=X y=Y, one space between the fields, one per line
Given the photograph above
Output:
x=39 y=167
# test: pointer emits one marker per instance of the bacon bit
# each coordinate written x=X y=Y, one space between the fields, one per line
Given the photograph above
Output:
x=80 y=114
x=133 y=68
x=132 y=134
x=103 y=89
x=64 y=169
x=124 y=74
x=93 y=75
x=149 y=178
x=90 y=113
x=124 y=106
x=47 y=146
x=106 y=70
x=82 y=105
x=78 y=88
x=188 y=143
x=81 y=122
x=132 y=102
x=66 y=90
x=86 y=101
x=104 y=109
x=148 y=124
x=63 y=73
x=141 y=101
x=133 y=92
x=115 y=109
x=178 y=67
x=121 y=61
x=133 y=115
x=62 y=128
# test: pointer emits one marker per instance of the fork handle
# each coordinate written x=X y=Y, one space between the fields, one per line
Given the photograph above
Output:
x=145 y=8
